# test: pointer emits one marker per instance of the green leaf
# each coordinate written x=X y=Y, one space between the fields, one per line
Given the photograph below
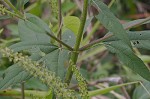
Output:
x=13 y=28
x=14 y=74
x=37 y=9
x=34 y=83
x=44 y=47
x=54 y=59
x=123 y=47
x=4 y=17
x=72 y=23
x=110 y=22
x=67 y=5
x=57 y=61
x=141 y=93
x=69 y=38
x=21 y=3
x=33 y=29
x=34 y=40
x=126 y=55
x=139 y=39
x=107 y=90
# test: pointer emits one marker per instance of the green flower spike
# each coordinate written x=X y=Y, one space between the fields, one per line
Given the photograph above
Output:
x=81 y=82
x=36 y=70
x=54 y=6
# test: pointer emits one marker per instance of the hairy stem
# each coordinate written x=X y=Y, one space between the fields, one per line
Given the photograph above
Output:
x=75 y=53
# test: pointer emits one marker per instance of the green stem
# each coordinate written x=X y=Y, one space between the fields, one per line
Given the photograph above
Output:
x=108 y=89
x=9 y=3
x=137 y=23
x=61 y=42
x=14 y=14
x=95 y=42
x=75 y=53
x=27 y=93
x=59 y=19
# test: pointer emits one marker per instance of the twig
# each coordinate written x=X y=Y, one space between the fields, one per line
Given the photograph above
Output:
x=95 y=42
x=59 y=19
x=9 y=3
x=110 y=35
x=27 y=93
x=61 y=42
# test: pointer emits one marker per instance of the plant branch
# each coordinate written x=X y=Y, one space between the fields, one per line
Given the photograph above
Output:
x=61 y=42
x=59 y=19
x=75 y=53
x=137 y=23
x=10 y=5
x=28 y=93
x=95 y=42
x=110 y=35
x=5 y=11
x=16 y=15
x=108 y=89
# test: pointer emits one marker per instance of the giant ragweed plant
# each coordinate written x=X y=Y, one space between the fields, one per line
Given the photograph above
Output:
x=53 y=59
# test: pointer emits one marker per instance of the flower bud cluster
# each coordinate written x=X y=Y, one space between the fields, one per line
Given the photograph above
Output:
x=81 y=82
x=54 y=6
x=2 y=9
x=36 y=70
